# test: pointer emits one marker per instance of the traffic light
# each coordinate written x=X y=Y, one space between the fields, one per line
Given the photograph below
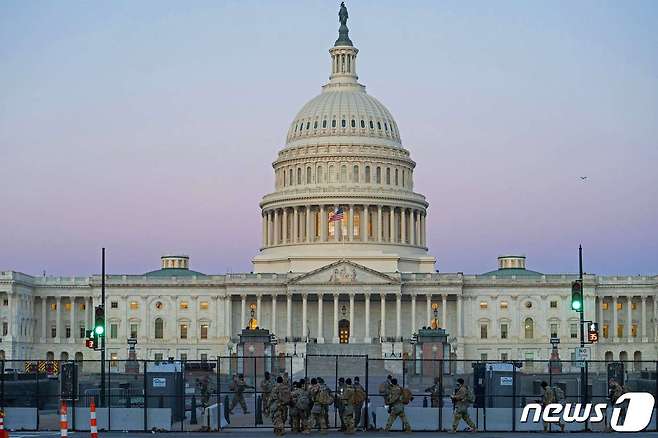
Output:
x=577 y=296
x=99 y=326
x=90 y=342
x=593 y=332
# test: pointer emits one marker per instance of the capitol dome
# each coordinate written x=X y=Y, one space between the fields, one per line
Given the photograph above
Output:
x=343 y=183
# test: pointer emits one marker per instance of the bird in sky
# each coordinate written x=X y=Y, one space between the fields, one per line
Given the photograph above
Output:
x=583 y=178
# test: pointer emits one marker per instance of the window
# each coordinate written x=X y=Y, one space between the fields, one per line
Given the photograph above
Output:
x=183 y=331
x=159 y=328
x=157 y=356
x=620 y=306
x=483 y=331
x=605 y=306
x=183 y=357
x=82 y=306
x=308 y=175
x=379 y=125
x=483 y=305
x=503 y=331
x=606 y=330
x=204 y=305
x=529 y=327
x=634 y=330
x=5 y=302
x=53 y=306
x=634 y=306
x=133 y=330
x=342 y=123
x=385 y=126
x=184 y=305
x=299 y=175
x=388 y=175
x=315 y=125
x=503 y=356
x=67 y=307
x=554 y=329
x=355 y=174
x=114 y=305
x=379 y=175
x=114 y=359
x=483 y=357
x=53 y=331
x=134 y=305
x=353 y=123
x=159 y=305
x=372 y=126
x=324 y=123
x=5 y=328
x=553 y=304
x=204 y=357
x=367 y=174
x=396 y=177
x=67 y=332
x=343 y=173
x=503 y=305
x=573 y=330
x=114 y=331
x=318 y=175
x=620 y=330
x=333 y=123
x=308 y=125
x=363 y=123
x=204 y=331
x=528 y=304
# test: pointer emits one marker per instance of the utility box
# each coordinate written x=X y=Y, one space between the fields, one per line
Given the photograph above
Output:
x=493 y=384
x=165 y=387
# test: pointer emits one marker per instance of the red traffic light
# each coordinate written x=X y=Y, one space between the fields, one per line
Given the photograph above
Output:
x=89 y=343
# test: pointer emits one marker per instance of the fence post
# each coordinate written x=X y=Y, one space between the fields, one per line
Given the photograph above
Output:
x=440 y=393
x=218 y=392
x=38 y=398
x=513 y=396
x=367 y=404
x=656 y=394
x=146 y=398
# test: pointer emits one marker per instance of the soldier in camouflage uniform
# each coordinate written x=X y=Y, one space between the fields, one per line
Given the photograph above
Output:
x=461 y=402
x=318 y=410
x=299 y=406
x=395 y=406
x=339 y=402
x=266 y=386
x=347 y=402
x=615 y=391
x=435 y=393
x=239 y=387
x=358 y=408
x=549 y=397
x=279 y=406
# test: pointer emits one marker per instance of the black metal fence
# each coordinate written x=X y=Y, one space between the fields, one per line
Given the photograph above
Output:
x=199 y=395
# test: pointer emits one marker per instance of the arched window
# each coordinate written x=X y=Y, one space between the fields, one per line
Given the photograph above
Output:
x=284 y=177
x=353 y=123
x=403 y=177
x=333 y=123
x=355 y=173
x=385 y=126
x=308 y=175
x=315 y=125
x=64 y=356
x=331 y=177
x=289 y=176
x=159 y=328
x=301 y=127
x=396 y=177
x=343 y=123
x=299 y=175
x=388 y=175
x=318 y=175
x=296 y=126
x=343 y=173
x=324 y=123
x=529 y=327
x=378 y=177
x=50 y=356
x=367 y=174
x=308 y=125
x=379 y=125
x=363 y=123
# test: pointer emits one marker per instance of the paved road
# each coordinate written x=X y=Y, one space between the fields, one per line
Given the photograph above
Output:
x=263 y=433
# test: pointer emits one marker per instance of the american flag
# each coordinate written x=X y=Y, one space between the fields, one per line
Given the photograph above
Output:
x=336 y=215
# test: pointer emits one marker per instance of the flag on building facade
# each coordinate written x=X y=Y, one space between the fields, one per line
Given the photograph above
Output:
x=337 y=215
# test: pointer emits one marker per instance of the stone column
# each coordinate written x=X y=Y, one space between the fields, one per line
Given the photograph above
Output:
x=295 y=224
x=89 y=307
x=350 y=224
x=335 y=334
x=320 y=328
x=73 y=325
x=599 y=312
x=338 y=227
x=403 y=225
x=460 y=331
x=308 y=223
x=243 y=310
x=273 y=319
x=428 y=309
x=398 y=316
x=655 y=319
x=265 y=224
x=391 y=224
x=323 y=224
x=643 y=318
x=444 y=311
x=289 y=316
x=412 y=228
x=304 y=316
x=44 y=319
x=218 y=317
x=228 y=312
x=284 y=227
x=413 y=313
x=382 y=330
x=615 y=320
x=367 y=339
x=364 y=221
x=276 y=227
x=629 y=317
x=379 y=223
x=58 y=321
x=258 y=309
x=352 y=325
x=417 y=225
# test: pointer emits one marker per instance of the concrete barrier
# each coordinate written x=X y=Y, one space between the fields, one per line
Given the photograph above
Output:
x=216 y=413
x=21 y=418
x=124 y=419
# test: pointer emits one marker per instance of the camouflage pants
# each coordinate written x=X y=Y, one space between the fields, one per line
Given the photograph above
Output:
x=461 y=414
x=398 y=414
x=279 y=420
x=266 y=403
x=300 y=422
x=348 y=422
x=320 y=420
x=238 y=398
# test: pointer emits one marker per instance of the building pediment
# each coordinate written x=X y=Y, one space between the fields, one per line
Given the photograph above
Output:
x=344 y=272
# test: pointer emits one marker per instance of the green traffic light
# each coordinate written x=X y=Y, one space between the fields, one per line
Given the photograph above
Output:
x=99 y=330
x=576 y=305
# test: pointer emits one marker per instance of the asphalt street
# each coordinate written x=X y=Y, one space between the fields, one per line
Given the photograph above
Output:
x=262 y=433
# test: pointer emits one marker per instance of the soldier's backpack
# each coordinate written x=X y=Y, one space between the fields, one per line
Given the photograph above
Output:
x=358 y=397
x=284 y=394
x=303 y=401
x=470 y=395
x=559 y=394
x=324 y=397
x=406 y=396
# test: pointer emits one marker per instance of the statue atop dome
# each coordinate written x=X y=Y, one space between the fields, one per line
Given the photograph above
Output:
x=343 y=37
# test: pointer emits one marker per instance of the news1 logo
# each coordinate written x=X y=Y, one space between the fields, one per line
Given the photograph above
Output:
x=637 y=417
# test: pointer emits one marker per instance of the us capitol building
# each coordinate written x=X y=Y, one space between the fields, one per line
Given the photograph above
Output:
x=363 y=284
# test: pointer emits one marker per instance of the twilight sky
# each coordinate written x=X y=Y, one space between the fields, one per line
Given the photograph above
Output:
x=150 y=127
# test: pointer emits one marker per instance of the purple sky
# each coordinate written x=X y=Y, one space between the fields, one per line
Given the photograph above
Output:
x=149 y=127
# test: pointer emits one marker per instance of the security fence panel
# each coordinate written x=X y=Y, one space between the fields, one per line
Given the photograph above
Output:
x=199 y=393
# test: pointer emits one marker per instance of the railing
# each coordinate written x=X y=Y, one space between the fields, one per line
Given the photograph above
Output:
x=180 y=395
